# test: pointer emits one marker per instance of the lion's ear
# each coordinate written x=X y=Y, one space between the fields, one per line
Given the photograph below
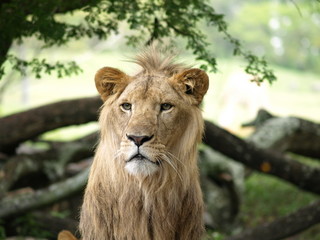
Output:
x=195 y=81
x=109 y=81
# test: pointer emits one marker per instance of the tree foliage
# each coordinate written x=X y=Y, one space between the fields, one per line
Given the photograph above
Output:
x=149 y=20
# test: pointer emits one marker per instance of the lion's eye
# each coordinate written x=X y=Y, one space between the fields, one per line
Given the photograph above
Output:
x=126 y=106
x=166 y=106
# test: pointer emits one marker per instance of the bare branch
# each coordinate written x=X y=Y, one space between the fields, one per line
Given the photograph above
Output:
x=289 y=134
x=266 y=161
x=51 y=162
x=23 y=126
x=58 y=191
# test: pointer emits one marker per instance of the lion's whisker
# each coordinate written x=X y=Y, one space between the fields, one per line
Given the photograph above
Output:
x=176 y=158
x=117 y=155
x=167 y=160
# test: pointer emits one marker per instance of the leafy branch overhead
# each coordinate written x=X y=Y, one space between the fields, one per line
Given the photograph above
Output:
x=40 y=66
x=149 y=20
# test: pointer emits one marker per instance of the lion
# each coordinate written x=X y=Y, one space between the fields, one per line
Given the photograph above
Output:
x=144 y=179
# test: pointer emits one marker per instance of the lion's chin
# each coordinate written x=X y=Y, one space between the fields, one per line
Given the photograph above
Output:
x=141 y=167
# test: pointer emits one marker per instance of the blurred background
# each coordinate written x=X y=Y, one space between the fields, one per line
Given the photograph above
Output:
x=285 y=33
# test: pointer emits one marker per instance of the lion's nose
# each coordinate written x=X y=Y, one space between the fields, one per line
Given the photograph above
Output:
x=139 y=140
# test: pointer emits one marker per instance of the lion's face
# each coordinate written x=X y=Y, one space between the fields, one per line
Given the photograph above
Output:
x=148 y=115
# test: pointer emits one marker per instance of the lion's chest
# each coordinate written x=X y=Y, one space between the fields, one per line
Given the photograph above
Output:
x=140 y=218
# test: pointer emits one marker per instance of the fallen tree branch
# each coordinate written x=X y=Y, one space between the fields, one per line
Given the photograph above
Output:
x=290 y=134
x=27 y=125
x=284 y=227
x=266 y=161
x=52 y=162
x=17 y=167
x=25 y=202
x=84 y=110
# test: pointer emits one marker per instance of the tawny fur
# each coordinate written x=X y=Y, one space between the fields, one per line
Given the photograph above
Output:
x=66 y=235
x=165 y=204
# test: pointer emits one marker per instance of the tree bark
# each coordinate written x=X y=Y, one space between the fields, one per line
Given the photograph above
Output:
x=19 y=127
x=51 y=162
x=289 y=134
x=266 y=161
x=25 y=202
x=284 y=227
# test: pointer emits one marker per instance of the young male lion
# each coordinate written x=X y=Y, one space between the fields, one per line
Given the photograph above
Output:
x=144 y=181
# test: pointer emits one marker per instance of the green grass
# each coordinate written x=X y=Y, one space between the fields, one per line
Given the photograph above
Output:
x=276 y=198
x=267 y=198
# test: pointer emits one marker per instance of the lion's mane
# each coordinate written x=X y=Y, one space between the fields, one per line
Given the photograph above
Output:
x=163 y=205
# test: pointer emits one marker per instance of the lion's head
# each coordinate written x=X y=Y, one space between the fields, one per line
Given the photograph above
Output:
x=153 y=118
